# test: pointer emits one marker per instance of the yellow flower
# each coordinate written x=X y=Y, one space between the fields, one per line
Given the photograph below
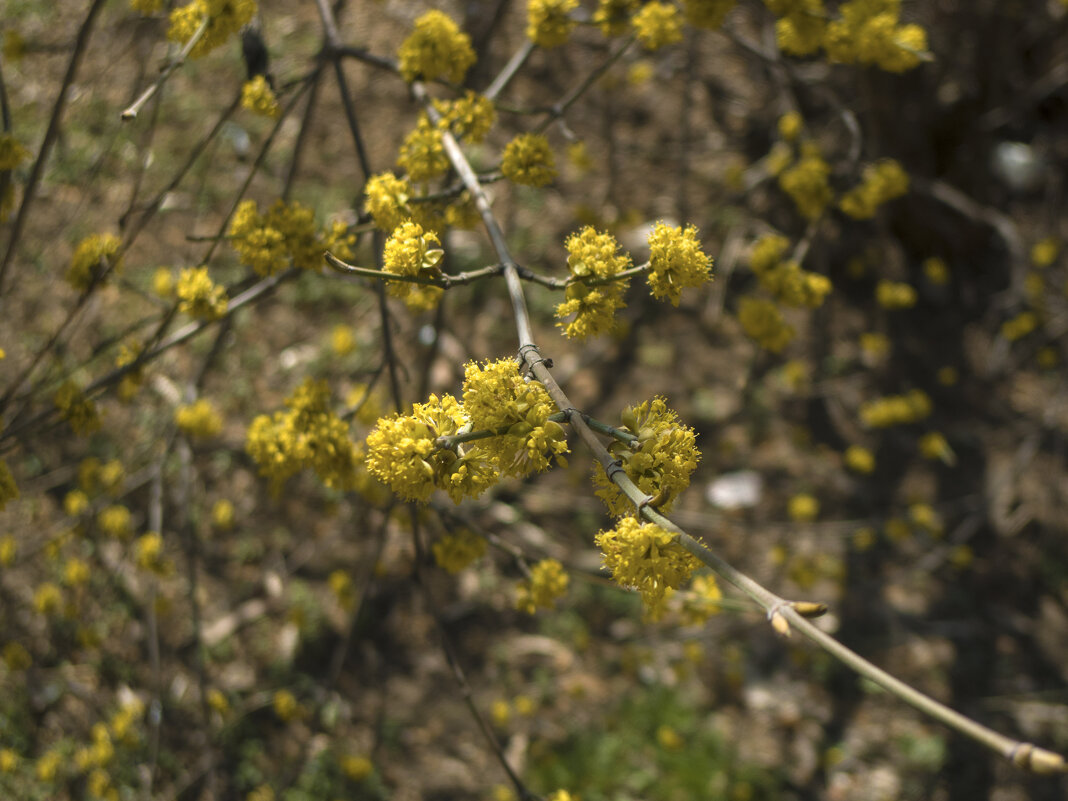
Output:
x=258 y=97
x=763 y=323
x=1045 y=252
x=547 y=582
x=75 y=572
x=790 y=126
x=454 y=552
x=881 y=183
x=422 y=154
x=47 y=598
x=934 y=446
x=657 y=24
x=895 y=410
x=528 y=160
x=707 y=13
x=200 y=420
x=199 y=296
x=79 y=412
x=803 y=508
x=612 y=16
x=676 y=261
x=12 y=153
x=218 y=701
x=225 y=18
x=436 y=48
x=115 y=521
x=807 y=183
x=93 y=257
x=387 y=200
x=592 y=255
x=47 y=766
x=8 y=550
x=895 y=295
x=222 y=514
x=9 y=760
x=548 y=23
x=149 y=554
x=1019 y=326
x=470 y=117
x=703 y=601
x=936 y=271
x=859 y=459
x=646 y=557
x=357 y=767
x=285 y=705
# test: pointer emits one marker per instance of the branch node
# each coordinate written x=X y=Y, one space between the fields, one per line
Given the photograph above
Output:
x=777 y=620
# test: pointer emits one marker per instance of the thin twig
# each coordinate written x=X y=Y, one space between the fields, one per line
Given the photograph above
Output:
x=134 y=108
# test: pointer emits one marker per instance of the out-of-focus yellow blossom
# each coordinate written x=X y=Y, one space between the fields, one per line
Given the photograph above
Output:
x=286 y=233
x=646 y=557
x=896 y=409
x=549 y=23
x=199 y=419
x=803 y=508
x=579 y=156
x=501 y=712
x=859 y=459
x=547 y=582
x=48 y=766
x=657 y=24
x=778 y=159
x=199 y=296
x=225 y=18
x=16 y=657
x=146 y=7
x=8 y=550
x=763 y=323
x=948 y=376
x=9 y=490
x=436 y=48
x=218 y=701
x=343 y=589
x=881 y=183
x=342 y=339
x=640 y=73
x=285 y=705
x=12 y=153
x=895 y=295
x=703 y=601
x=115 y=521
x=220 y=19
x=790 y=125
x=934 y=446
x=1048 y=357
x=258 y=97
x=454 y=552
x=307 y=435
x=1045 y=252
x=469 y=118
x=1019 y=326
x=924 y=517
x=528 y=160
x=864 y=538
x=612 y=16
x=75 y=573
x=874 y=345
x=79 y=412
x=868 y=32
x=592 y=257
x=961 y=557
x=707 y=13
x=148 y=553
x=222 y=514
x=48 y=598
x=94 y=255
x=9 y=760
x=800 y=28
x=357 y=767
x=807 y=184
x=524 y=706
x=676 y=261
x=163 y=282
x=1034 y=286
x=936 y=271
x=422 y=154
x=659 y=461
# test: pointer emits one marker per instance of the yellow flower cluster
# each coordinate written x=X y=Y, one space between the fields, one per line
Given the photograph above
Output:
x=660 y=461
x=469 y=118
x=287 y=232
x=806 y=182
x=785 y=279
x=548 y=23
x=612 y=16
x=115 y=521
x=1019 y=326
x=225 y=18
x=9 y=490
x=286 y=705
x=895 y=295
x=12 y=153
x=79 y=412
x=646 y=557
x=592 y=255
x=528 y=160
x=93 y=256
x=803 y=508
x=402 y=452
x=1045 y=252
x=763 y=323
x=790 y=125
x=199 y=296
x=896 y=409
x=148 y=554
x=676 y=261
x=387 y=200
x=146 y=7
x=707 y=13
x=200 y=419
x=422 y=154
x=936 y=271
x=869 y=32
x=454 y=552
x=497 y=398
x=307 y=435
x=409 y=252
x=881 y=183
x=703 y=601
x=436 y=48
x=657 y=24
x=934 y=446
x=258 y=97
x=859 y=459
x=800 y=28
x=548 y=581
x=48 y=598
